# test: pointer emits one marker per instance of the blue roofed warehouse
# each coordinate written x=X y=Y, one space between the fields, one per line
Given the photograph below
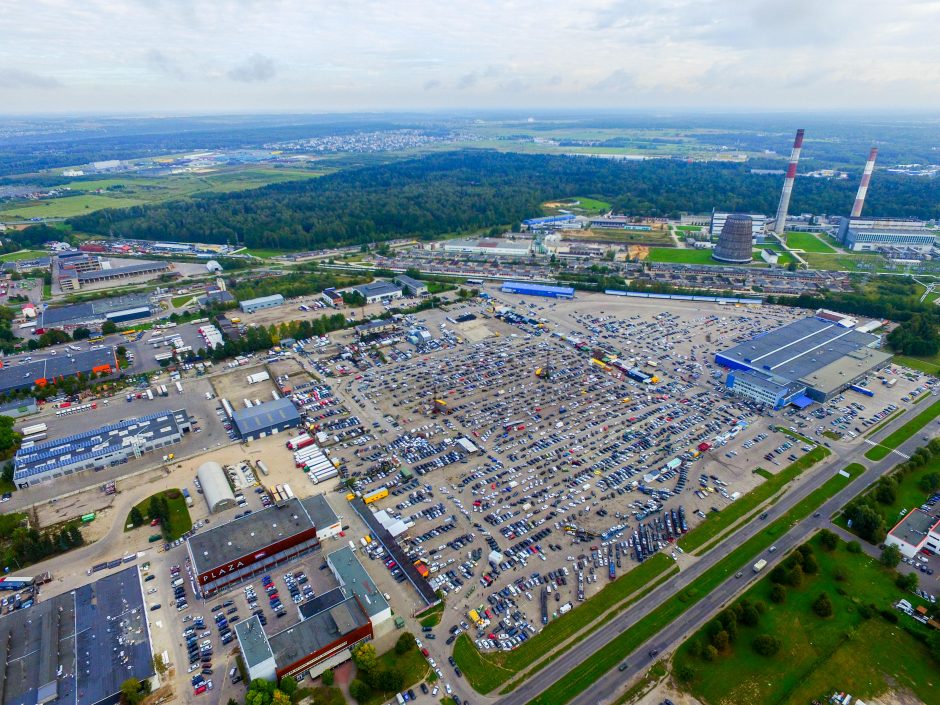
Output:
x=530 y=289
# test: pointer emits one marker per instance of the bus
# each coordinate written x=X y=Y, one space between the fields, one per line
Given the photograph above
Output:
x=96 y=339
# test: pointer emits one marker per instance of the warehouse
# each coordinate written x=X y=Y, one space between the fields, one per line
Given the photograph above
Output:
x=215 y=487
x=917 y=531
x=266 y=419
x=374 y=292
x=415 y=287
x=99 y=448
x=331 y=627
x=867 y=234
x=77 y=648
x=38 y=372
x=764 y=388
x=489 y=248
x=252 y=544
x=77 y=280
x=529 y=289
x=261 y=303
x=92 y=313
x=376 y=327
x=826 y=356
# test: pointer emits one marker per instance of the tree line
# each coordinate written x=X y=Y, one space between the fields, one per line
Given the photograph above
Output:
x=21 y=545
x=470 y=190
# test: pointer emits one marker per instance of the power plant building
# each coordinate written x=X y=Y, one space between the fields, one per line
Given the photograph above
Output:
x=867 y=234
x=758 y=224
x=735 y=241
x=813 y=359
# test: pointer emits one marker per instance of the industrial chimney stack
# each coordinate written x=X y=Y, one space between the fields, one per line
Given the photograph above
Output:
x=863 y=187
x=784 y=206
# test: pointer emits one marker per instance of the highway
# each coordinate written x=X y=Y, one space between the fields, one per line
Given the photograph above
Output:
x=609 y=686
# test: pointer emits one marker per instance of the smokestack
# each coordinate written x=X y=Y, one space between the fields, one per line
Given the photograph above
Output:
x=863 y=187
x=784 y=205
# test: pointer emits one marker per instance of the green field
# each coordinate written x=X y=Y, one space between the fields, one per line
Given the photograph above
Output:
x=906 y=431
x=819 y=656
x=579 y=204
x=680 y=256
x=178 y=301
x=264 y=254
x=807 y=242
x=22 y=254
x=487 y=671
x=179 y=523
x=120 y=192
x=929 y=365
x=847 y=262
x=607 y=658
x=719 y=522
x=412 y=666
x=689 y=228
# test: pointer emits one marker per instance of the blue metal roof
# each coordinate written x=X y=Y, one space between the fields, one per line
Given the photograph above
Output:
x=511 y=287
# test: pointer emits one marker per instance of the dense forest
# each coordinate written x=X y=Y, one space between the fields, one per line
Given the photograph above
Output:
x=458 y=192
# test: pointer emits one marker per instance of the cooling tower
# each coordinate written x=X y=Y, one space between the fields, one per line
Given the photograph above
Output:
x=734 y=242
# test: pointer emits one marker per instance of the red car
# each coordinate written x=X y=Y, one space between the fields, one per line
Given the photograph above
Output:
x=200 y=690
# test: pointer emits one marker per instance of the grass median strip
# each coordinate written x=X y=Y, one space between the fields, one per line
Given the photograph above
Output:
x=614 y=652
x=881 y=451
x=719 y=522
x=486 y=672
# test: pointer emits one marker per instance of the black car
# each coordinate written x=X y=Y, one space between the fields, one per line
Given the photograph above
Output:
x=450 y=640
x=424 y=689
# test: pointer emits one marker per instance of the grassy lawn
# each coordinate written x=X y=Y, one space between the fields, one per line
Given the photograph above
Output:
x=178 y=301
x=412 y=666
x=845 y=262
x=607 y=658
x=719 y=522
x=68 y=206
x=264 y=254
x=432 y=617
x=22 y=254
x=487 y=671
x=930 y=365
x=845 y=652
x=807 y=242
x=906 y=431
x=689 y=228
x=681 y=256
x=581 y=204
x=180 y=521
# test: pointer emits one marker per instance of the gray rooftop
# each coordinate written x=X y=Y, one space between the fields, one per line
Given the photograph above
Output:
x=356 y=580
x=913 y=528
x=377 y=288
x=405 y=280
x=317 y=631
x=224 y=543
x=128 y=270
x=89 y=312
x=770 y=381
x=319 y=510
x=263 y=300
x=266 y=415
x=91 y=624
x=253 y=641
x=800 y=349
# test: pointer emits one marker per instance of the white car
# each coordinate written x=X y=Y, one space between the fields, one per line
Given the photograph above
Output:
x=448 y=688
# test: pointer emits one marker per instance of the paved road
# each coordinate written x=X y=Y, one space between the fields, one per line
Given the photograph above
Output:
x=611 y=684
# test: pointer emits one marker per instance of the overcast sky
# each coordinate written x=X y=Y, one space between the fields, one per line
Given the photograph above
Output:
x=270 y=55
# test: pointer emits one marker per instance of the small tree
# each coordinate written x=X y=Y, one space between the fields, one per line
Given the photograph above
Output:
x=685 y=674
x=891 y=556
x=328 y=677
x=710 y=653
x=365 y=657
x=828 y=540
x=132 y=691
x=405 y=643
x=907 y=581
x=778 y=594
x=108 y=327
x=136 y=517
x=359 y=690
x=930 y=482
x=721 y=640
x=795 y=576
x=822 y=606
x=288 y=685
x=853 y=547
x=766 y=645
x=810 y=566
x=749 y=615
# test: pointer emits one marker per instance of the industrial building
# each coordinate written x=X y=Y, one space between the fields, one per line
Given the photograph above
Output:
x=77 y=648
x=249 y=545
x=266 y=419
x=917 y=531
x=72 y=281
x=38 y=372
x=332 y=625
x=93 y=313
x=758 y=224
x=261 y=303
x=376 y=291
x=355 y=581
x=617 y=222
x=215 y=487
x=734 y=242
x=489 y=247
x=868 y=234
x=332 y=297
x=769 y=256
x=530 y=289
x=415 y=287
x=550 y=222
x=824 y=354
x=376 y=327
x=99 y=448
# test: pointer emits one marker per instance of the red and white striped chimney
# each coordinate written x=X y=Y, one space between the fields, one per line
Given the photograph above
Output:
x=784 y=205
x=863 y=186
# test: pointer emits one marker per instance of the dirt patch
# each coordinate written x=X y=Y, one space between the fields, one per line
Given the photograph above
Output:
x=638 y=252
x=474 y=331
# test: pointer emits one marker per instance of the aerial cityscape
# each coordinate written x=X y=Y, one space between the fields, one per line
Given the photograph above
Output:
x=410 y=352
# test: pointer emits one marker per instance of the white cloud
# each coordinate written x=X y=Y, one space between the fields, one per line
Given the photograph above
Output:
x=181 y=55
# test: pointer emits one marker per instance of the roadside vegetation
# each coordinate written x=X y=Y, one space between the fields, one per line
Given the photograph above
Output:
x=822 y=621
x=913 y=426
x=21 y=545
x=380 y=677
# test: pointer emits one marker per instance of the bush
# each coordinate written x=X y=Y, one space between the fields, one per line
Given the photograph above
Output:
x=695 y=648
x=721 y=640
x=288 y=685
x=891 y=556
x=889 y=616
x=795 y=576
x=766 y=645
x=359 y=690
x=822 y=606
x=328 y=677
x=405 y=643
x=828 y=540
x=778 y=594
x=853 y=547
x=778 y=575
x=810 y=566
x=749 y=615
x=710 y=653
x=865 y=612
x=685 y=674
x=907 y=581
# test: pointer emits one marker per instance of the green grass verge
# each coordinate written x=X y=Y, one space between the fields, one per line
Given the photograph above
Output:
x=488 y=671
x=928 y=365
x=650 y=679
x=22 y=254
x=807 y=242
x=906 y=431
x=412 y=666
x=681 y=256
x=265 y=254
x=607 y=658
x=719 y=522
x=432 y=617
x=844 y=652
x=180 y=521
x=178 y=301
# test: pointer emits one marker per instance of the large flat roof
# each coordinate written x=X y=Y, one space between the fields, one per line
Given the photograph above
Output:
x=92 y=311
x=913 y=528
x=377 y=288
x=244 y=535
x=253 y=641
x=846 y=369
x=317 y=631
x=45 y=366
x=319 y=510
x=128 y=270
x=799 y=349
x=266 y=415
x=356 y=581
x=510 y=287
x=82 y=632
